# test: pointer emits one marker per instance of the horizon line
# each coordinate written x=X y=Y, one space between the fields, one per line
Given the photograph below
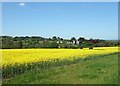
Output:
x=58 y=36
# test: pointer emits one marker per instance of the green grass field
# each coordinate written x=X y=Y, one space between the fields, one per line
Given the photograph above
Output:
x=103 y=70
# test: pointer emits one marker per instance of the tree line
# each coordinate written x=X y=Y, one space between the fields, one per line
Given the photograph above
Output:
x=9 y=42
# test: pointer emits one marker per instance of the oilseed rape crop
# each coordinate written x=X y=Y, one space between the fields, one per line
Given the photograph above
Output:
x=21 y=56
x=14 y=58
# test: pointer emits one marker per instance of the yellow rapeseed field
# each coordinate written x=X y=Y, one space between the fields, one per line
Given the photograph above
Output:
x=21 y=56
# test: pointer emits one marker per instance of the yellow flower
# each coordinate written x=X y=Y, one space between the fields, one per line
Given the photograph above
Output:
x=24 y=56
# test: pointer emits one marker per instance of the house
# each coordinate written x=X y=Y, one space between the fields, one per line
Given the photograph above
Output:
x=59 y=42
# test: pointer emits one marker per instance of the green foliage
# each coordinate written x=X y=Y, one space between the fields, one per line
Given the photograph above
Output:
x=81 y=39
x=54 y=38
x=7 y=42
x=73 y=38
x=53 y=45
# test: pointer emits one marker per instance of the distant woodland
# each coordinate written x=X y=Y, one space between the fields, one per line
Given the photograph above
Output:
x=8 y=42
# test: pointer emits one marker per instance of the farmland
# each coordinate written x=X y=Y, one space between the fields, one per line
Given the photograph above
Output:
x=21 y=56
x=59 y=43
x=19 y=61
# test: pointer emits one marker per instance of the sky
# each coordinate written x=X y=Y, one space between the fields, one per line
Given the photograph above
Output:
x=63 y=19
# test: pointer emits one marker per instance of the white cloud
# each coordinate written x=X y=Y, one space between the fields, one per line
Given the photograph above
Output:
x=22 y=4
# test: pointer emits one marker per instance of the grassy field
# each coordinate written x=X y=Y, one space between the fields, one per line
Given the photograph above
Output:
x=103 y=70
x=60 y=66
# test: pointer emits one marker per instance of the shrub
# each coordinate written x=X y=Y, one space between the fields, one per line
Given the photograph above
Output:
x=91 y=47
x=81 y=47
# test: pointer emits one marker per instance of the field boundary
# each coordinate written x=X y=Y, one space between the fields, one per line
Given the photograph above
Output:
x=10 y=72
